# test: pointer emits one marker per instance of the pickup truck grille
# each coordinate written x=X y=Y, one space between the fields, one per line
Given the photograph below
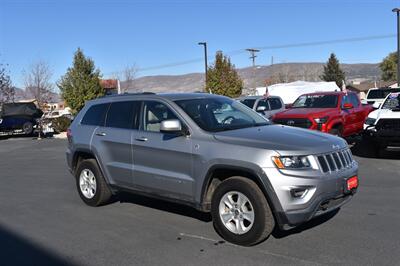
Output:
x=294 y=122
x=335 y=161
x=388 y=124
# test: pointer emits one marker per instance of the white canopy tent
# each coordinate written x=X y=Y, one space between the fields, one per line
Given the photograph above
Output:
x=289 y=92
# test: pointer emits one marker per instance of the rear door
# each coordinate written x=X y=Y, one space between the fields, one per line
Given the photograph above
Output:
x=276 y=105
x=163 y=162
x=113 y=140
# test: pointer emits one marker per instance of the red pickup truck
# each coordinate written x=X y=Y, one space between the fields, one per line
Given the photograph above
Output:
x=338 y=113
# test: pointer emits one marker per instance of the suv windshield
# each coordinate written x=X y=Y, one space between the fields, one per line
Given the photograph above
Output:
x=220 y=114
x=392 y=102
x=316 y=101
x=380 y=93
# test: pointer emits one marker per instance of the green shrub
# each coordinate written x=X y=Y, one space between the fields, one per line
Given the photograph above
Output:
x=61 y=124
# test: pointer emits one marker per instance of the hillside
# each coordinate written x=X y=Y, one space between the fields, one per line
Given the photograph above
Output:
x=279 y=73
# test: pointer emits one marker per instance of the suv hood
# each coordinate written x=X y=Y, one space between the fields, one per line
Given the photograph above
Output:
x=283 y=139
x=384 y=113
x=303 y=112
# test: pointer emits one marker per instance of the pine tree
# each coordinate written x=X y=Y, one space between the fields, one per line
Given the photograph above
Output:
x=333 y=72
x=7 y=91
x=81 y=82
x=222 y=77
x=389 y=67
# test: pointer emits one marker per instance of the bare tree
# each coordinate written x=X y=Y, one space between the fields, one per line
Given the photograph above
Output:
x=7 y=91
x=129 y=75
x=37 y=82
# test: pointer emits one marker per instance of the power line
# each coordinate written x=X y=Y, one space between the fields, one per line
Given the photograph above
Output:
x=271 y=47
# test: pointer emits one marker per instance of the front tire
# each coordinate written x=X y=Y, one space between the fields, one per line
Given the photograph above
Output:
x=240 y=212
x=337 y=131
x=27 y=127
x=91 y=185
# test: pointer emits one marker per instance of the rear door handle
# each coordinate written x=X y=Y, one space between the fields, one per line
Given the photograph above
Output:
x=101 y=134
x=141 y=139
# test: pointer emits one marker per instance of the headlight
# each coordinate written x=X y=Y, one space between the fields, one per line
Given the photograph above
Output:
x=295 y=162
x=370 y=121
x=321 y=120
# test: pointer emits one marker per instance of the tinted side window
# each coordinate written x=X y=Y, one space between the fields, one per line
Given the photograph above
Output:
x=275 y=103
x=95 y=115
x=354 y=100
x=122 y=114
x=154 y=114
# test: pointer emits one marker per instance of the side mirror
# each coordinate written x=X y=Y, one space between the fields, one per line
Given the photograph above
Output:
x=261 y=109
x=376 y=105
x=171 y=126
x=348 y=106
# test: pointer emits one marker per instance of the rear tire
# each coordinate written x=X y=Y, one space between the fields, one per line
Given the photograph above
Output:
x=91 y=185
x=240 y=212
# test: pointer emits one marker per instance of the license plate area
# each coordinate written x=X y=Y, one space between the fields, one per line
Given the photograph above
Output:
x=351 y=184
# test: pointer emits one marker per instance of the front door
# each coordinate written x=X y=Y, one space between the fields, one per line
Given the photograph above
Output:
x=163 y=162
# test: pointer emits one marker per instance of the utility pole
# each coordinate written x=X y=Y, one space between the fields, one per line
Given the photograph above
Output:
x=397 y=10
x=253 y=58
x=205 y=62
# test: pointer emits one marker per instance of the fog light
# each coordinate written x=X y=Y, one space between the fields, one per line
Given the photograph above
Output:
x=298 y=192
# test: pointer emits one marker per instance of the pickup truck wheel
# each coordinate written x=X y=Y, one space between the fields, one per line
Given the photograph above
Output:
x=27 y=127
x=240 y=212
x=91 y=185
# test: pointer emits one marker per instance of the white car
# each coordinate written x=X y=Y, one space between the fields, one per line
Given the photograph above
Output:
x=382 y=126
x=378 y=95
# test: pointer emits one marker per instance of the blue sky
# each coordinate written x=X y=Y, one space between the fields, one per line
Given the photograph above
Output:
x=153 y=33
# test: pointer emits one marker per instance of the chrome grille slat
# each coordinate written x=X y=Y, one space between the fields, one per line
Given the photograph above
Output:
x=335 y=161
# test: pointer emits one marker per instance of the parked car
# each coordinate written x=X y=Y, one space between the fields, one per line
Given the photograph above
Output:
x=378 y=95
x=18 y=117
x=337 y=113
x=382 y=127
x=250 y=174
x=267 y=106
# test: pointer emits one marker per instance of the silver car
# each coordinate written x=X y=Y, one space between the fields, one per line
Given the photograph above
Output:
x=266 y=106
x=212 y=153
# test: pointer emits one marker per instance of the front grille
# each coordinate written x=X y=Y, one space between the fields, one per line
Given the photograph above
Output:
x=294 y=122
x=388 y=124
x=335 y=161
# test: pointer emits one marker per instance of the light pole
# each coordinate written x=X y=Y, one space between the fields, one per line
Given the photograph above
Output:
x=397 y=10
x=205 y=61
x=253 y=58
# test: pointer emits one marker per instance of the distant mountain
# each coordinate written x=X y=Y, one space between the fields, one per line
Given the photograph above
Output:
x=253 y=77
x=21 y=94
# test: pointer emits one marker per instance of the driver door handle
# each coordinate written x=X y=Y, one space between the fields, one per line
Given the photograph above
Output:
x=141 y=139
x=101 y=134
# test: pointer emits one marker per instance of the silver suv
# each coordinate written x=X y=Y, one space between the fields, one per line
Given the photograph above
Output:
x=266 y=106
x=212 y=153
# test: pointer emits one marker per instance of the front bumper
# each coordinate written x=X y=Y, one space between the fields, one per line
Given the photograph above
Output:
x=323 y=192
x=385 y=137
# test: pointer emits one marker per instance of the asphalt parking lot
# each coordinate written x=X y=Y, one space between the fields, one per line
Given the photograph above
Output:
x=44 y=222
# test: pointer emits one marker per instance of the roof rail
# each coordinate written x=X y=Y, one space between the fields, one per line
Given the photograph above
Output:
x=129 y=94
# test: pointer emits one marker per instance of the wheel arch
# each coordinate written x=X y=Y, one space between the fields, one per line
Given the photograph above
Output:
x=217 y=173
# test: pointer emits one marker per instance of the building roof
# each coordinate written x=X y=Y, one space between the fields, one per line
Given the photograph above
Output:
x=109 y=83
